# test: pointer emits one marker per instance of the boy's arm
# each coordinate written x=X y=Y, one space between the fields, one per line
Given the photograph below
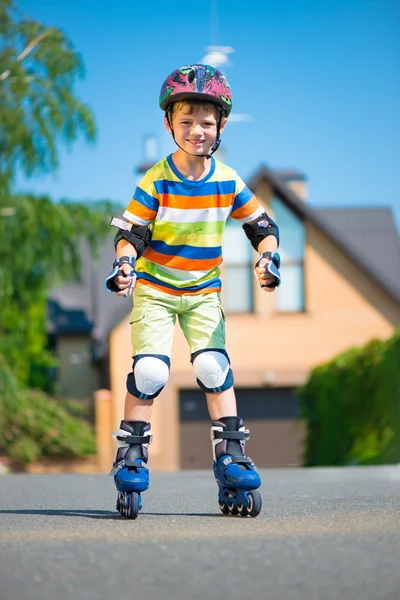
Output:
x=124 y=282
x=263 y=234
x=124 y=248
x=133 y=236
x=265 y=278
x=268 y=244
x=122 y=276
x=130 y=243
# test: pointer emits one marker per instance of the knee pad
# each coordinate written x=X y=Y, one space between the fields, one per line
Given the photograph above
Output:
x=149 y=375
x=212 y=369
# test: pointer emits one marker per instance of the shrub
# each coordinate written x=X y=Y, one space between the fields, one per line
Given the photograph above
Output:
x=351 y=406
x=33 y=424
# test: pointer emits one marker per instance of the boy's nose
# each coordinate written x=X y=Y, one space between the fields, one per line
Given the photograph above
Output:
x=197 y=129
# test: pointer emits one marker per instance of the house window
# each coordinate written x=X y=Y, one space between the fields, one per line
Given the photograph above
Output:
x=290 y=296
x=238 y=269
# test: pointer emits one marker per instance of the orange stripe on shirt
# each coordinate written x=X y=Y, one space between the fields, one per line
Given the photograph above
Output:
x=246 y=210
x=178 y=262
x=141 y=211
x=212 y=201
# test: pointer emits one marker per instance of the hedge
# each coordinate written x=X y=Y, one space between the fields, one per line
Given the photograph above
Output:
x=351 y=407
x=33 y=424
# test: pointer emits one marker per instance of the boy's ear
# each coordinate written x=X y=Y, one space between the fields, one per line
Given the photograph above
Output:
x=223 y=123
x=167 y=125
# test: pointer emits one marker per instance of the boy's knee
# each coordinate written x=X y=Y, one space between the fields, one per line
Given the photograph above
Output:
x=212 y=369
x=149 y=375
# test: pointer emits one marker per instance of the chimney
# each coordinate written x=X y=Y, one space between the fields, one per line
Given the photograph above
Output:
x=295 y=180
x=150 y=153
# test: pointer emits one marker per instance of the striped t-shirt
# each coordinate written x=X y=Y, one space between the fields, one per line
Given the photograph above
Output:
x=187 y=219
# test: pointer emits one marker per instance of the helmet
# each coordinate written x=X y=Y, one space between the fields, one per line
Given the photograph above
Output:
x=196 y=82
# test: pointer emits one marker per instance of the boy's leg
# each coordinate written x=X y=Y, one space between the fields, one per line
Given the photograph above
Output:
x=222 y=404
x=204 y=328
x=137 y=409
x=152 y=323
x=203 y=324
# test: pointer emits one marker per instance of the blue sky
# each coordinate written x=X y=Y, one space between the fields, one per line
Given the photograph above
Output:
x=320 y=80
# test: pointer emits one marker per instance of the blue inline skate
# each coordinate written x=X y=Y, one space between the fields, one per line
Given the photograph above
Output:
x=235 y=474
x=131 y=475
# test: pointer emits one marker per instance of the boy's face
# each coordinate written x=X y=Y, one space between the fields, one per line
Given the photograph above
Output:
x=195 y=132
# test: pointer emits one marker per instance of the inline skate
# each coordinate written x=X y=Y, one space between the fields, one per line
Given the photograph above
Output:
x=131 y=475
x=236 y=475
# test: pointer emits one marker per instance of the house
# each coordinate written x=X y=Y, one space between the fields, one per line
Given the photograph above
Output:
x=341 y=287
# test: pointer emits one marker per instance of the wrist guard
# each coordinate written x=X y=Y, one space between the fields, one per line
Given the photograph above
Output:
x=110 y=284
x=272 y=267
x=262 y=228
x=137 y=235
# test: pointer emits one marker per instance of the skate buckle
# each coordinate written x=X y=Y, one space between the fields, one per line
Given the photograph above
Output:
x=117 y=467
x=213 y=430
x=227 y=461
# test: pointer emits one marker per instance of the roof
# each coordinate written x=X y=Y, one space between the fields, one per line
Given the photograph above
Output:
x=67 y=322
x=356 y=231
x=104 y=310
x=384 y=235
x=373 y=234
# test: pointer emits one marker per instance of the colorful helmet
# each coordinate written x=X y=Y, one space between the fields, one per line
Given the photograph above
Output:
x=197 y=82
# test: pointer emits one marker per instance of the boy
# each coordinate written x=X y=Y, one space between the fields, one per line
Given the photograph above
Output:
x=170 y=243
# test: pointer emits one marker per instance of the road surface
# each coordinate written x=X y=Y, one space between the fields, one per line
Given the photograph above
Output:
x=323 y=534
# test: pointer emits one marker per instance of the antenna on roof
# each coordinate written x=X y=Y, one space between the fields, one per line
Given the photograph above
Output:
x=150 y=153
x=218 y=56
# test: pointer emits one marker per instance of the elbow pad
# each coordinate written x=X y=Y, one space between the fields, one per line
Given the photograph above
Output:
x=137 y=235
x=262 y=228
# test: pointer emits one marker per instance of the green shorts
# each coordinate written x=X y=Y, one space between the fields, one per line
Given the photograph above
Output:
x=153 y=318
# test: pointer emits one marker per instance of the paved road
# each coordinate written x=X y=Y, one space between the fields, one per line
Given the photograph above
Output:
x=324 y=534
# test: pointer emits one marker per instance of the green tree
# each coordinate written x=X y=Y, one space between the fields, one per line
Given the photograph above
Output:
x=44 y=241
x=38 y=108
x=40 y=240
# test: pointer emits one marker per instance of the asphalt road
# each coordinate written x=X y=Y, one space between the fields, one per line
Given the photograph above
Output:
x=323 y=534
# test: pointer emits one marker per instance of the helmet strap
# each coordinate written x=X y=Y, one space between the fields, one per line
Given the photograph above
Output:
x=216 y=143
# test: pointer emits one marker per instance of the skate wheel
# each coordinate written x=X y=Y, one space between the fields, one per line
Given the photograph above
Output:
x=243 y=510
x=254 y=508
x=224 y=507
x=233 y=509
x=128 y=505
x=132 y=505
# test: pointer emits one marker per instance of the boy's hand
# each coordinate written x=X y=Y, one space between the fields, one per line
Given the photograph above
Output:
x=263 y=276
x=124 y=280
x=121 y=280
x=267 y=280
